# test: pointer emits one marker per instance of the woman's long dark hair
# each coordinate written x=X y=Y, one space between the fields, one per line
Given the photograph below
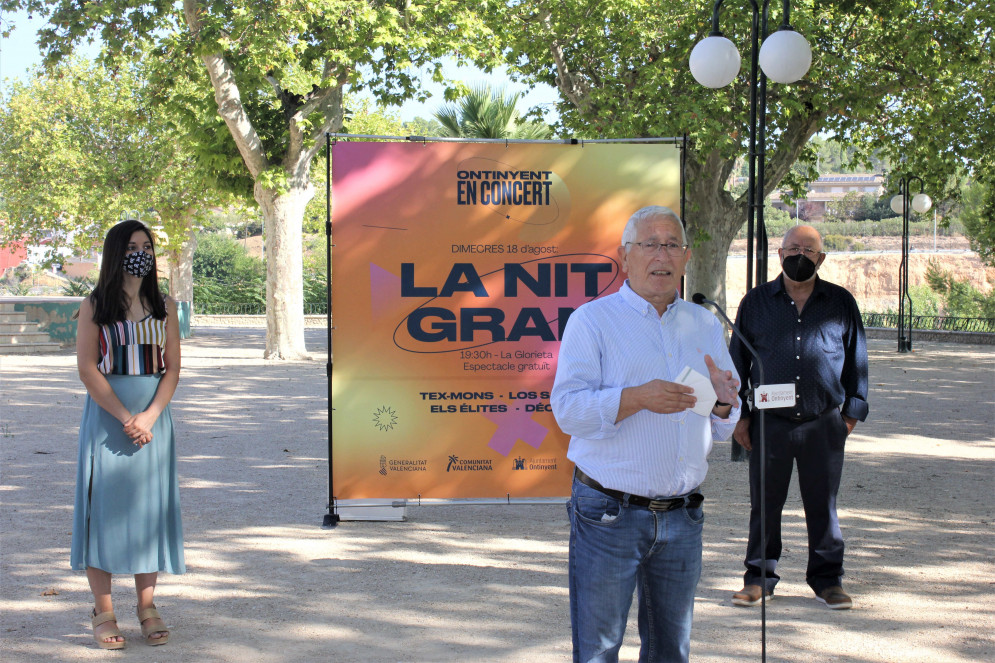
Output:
x=109 y=300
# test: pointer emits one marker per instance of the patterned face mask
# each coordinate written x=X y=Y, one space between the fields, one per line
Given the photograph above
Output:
x=138 y=264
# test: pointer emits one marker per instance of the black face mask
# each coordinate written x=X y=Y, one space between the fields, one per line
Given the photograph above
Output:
x=798 y=268
x=138 y=264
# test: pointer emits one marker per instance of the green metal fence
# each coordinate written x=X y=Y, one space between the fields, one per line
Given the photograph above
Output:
x=932 y=322
x=235 y=308
x=885 y=320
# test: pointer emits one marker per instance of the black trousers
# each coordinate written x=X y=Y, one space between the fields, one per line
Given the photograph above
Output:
x=817 y=448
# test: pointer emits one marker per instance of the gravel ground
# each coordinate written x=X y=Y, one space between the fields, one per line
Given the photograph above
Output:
x=486 y=583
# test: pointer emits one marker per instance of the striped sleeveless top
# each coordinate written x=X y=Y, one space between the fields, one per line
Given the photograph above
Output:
x=133 y=348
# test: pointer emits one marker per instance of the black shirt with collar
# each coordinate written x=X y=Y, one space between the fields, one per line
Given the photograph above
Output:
x=822 y=350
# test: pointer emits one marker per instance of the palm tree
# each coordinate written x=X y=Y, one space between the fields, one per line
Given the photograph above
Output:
x=488 y=113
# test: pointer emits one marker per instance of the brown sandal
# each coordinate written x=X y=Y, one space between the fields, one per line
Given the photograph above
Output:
x=108 y=632
x=151 y=624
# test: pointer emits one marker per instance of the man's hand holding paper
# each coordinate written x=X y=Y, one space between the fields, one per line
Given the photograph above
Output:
x=719 y=385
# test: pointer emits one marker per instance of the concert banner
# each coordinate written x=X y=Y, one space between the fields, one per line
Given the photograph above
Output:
x=454 y=270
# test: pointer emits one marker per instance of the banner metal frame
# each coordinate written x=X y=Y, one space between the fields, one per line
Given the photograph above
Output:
x=332 y=516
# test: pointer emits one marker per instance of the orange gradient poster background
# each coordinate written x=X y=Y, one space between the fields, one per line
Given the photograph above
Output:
x=455 y=267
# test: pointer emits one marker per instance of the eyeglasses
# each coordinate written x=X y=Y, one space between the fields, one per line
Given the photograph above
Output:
x=795 y=250
x=649 y=248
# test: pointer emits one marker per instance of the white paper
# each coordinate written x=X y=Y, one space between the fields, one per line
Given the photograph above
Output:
x=703 y=390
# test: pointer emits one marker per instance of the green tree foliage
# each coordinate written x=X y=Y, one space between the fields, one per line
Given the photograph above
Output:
x=78 y=151
x=81 y=147
x=847 y=208
x=960 y=298
x=421 y=126
x=363 y=117
x=857 y=206
x=904 y=81
x=874 y=209
x=832 y=156
x=225 y=272
x=315 y=270
x=777 y=216
x=485 y=112
x=977 y=214
x=925 y=300
x=275 y=72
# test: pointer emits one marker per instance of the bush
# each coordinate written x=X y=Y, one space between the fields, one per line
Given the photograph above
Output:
x=18 y=281
x=924 y=301
x=960 y=298
x=841 y=243
x=78 y=288
x=315 y=270
x=223 y=271
x=835 y=243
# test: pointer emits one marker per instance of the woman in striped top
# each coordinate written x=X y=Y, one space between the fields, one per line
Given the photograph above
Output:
x=127 y=509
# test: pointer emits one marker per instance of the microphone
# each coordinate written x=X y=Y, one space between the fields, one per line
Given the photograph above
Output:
x=700 y=300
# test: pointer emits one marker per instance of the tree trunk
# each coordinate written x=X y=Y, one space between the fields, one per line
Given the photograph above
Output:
x=283 y=215
x=714 y=214
x=181 y=270
x=713 y=218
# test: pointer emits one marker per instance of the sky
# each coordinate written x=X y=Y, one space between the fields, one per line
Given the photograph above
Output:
x=19 y=53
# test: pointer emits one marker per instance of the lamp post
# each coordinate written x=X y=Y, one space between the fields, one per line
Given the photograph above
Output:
x=900 y=204
x=784 y=57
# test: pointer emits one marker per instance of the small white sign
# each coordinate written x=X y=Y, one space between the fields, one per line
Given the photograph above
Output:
x=769 y=396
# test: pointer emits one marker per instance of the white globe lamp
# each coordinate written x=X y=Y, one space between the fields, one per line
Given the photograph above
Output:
x=785 y=56
x=897 y=205
x=714 y=62
x=921 y=203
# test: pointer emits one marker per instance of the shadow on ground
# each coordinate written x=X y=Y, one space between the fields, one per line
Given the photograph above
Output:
x=486 y=583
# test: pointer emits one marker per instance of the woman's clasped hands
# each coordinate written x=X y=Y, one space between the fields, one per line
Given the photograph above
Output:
x=139 y=428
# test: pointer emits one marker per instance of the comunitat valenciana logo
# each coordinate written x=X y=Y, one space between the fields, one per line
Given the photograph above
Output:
x=457 y=464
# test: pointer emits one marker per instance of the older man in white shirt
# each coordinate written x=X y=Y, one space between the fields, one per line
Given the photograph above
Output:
x=639 y=449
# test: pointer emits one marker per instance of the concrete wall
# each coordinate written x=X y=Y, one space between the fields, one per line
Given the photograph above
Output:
x=55 y=315
x=200 y=320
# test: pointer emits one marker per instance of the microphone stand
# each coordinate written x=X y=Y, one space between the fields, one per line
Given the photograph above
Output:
x=700 y=299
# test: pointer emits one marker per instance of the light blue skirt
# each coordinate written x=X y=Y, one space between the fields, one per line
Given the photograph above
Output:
x=127 y=510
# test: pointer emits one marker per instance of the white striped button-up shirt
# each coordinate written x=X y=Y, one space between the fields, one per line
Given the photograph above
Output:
x=621 y=341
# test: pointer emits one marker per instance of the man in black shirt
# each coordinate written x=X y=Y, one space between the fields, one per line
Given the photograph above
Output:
x=807 y=332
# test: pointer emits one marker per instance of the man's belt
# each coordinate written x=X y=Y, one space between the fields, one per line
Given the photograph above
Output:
x=804 y=419
x=693 y=500
x=793 y=419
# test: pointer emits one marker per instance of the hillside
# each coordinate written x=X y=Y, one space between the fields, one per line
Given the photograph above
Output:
x=872 y=275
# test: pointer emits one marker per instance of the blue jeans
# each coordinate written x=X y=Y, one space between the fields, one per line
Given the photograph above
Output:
x=615 y=549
